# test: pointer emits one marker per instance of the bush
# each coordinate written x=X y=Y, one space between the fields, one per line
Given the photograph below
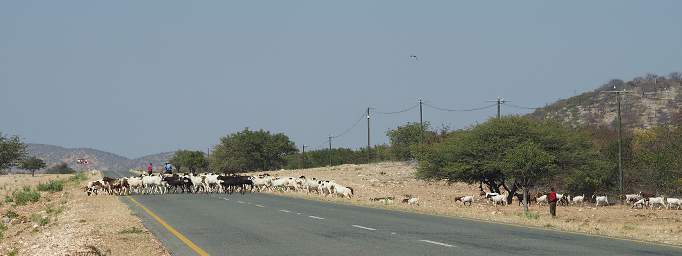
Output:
x=26 y=195
x=532 y=215
x=131 y=230
x=52 y=186
x=40 y=220
x=11 y=214
x=2 y=229
x=78 y=177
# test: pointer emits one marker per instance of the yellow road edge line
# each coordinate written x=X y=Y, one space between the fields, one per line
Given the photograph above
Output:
x=171 y=229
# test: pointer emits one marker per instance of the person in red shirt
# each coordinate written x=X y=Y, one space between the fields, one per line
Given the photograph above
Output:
x=552 y=202
x=149 y=169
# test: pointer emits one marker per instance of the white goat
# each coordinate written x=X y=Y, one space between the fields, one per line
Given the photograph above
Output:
x=578 y=199
x=601 y=200
x=498 y=199
x=542 y=199
x=674 y=202
x=657 y=201
x=641 y=202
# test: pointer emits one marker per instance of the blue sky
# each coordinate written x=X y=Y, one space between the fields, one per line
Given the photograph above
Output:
x=141 y=77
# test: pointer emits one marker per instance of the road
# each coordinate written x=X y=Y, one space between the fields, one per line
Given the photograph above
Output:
x=262 y=224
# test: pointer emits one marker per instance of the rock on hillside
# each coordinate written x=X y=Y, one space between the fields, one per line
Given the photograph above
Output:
x=652 y=100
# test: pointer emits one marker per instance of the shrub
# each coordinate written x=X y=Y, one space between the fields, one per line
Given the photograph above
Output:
x=52 y=186
x=24 y=196
x=78 y=177
x=8 y=199
x=55 y=211
x=11 y=214
x=40 y=220
x=532 y=215
x=131 y=230
x=2 y=229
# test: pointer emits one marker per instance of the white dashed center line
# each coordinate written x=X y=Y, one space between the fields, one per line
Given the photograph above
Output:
x=226 y=199
x=358 y=226
x=437 y=243
x=258 y=205
x=315 y=217
x=287 y=211
x=241 y=202
x=299 y=213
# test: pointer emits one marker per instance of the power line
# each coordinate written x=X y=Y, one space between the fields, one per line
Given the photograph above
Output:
x=363 y=116
x=397 y=112
x=520 y=107
x=458 y=110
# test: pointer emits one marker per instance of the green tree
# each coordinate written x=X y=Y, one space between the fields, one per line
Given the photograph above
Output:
x=192 y=160
x=12 y=150
x=251 y=150
x=32 y=164
x=404 y=139
x=528 y=163
x=478 y=155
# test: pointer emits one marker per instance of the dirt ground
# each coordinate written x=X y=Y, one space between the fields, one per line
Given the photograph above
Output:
x=398 y=179
x=76 y=224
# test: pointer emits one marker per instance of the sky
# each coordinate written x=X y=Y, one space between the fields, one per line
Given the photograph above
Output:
x=142 y=77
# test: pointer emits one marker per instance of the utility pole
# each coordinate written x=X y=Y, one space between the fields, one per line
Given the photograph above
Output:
x=421 y=120
x=499 y=101
x=619 y=94
x=330 y=150
x=369 y=145
x=303 y=157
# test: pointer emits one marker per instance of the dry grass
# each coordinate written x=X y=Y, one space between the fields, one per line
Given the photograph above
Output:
x=69 y=222
x=397 y=180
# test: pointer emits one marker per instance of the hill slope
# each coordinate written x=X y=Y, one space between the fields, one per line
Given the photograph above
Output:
x=97 y=159
x=652 y=100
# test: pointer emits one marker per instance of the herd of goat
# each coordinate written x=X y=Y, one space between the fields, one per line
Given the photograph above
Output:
x=222 y=183
x=213 y=183
x=639 y=200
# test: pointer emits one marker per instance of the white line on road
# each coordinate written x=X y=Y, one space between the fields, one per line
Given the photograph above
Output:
x=358 y=226
x=299 y=213
x=258 y=205
x=226 y=199
x=241 y=202
x=315 y=217
x=437 y=243
x=287 y=211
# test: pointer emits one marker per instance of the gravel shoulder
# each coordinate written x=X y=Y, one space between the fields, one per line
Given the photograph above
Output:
x=397 y=179
x=71 y=223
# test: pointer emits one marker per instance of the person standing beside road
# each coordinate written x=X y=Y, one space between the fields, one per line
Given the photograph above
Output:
x=169 y=168
x=150 y=168
x=552 y=202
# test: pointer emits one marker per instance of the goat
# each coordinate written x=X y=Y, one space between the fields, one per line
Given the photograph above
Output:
x=600 y=200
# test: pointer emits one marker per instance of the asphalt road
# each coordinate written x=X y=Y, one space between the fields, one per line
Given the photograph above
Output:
x=262 y=224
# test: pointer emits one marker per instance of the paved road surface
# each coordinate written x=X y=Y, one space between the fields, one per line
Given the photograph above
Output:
x=261 y=224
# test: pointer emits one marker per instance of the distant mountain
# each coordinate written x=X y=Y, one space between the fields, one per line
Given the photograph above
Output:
x=650 y=101
x=97 y=159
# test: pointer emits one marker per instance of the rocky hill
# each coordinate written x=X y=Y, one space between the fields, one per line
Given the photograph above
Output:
x=97 y=159
x=650 y=100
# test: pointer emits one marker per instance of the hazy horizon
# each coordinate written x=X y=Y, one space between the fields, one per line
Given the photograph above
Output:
x=139 y=78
